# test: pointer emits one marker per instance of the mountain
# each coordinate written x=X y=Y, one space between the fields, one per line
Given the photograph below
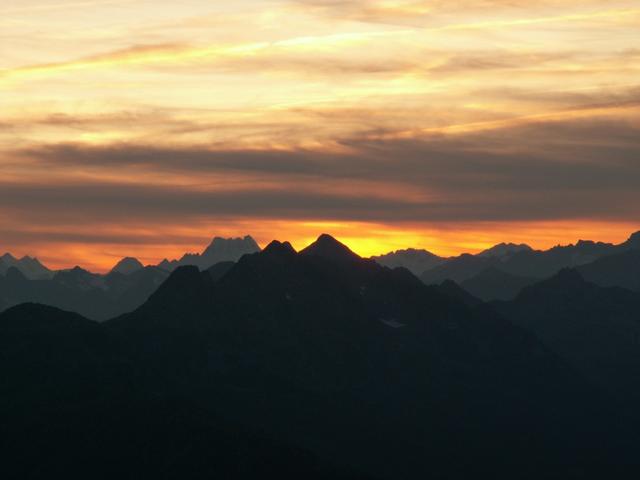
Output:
x=416 y=261
x=458 y=269
x=542 y=264
x=494 y=284
x=328 y=248
x=368 y=367
x=632 y=243
x=620 y=270
x=504 y=251
x=74 y=407
x=96 y=296
x=452 y=290
x=521 y=261
x=220 y=250
x=30 y=267
x=220 y=269
x=127 y=266
x=597 y=329
x=320 y=361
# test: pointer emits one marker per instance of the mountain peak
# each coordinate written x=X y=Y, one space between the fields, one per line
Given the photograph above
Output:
x=231 y=247
x=7 y=257
x=503 y=250
x=127 y=266
x=328 y=247
x=279 y=248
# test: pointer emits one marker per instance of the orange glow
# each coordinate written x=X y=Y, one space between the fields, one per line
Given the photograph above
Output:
x=363 y=238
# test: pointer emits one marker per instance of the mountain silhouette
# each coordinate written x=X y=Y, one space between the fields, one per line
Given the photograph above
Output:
x=330 y=342
x=416 y=261
x=72 y=401
x=331 y=249
x=219 y=250
x=95 y=296
x=596 y=329
x=30 y=267
x=453 y=290
x=504 y=251
x=618 y=270
x=220 y=269
x=521 y=261
x=494 y=284
x=458 y=269
x=127 y=266
x=320 y=361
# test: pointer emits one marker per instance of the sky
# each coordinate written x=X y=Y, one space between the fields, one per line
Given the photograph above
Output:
x=144 y=128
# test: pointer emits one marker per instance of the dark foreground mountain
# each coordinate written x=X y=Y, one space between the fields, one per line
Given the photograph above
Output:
x=619 y=270
x=73 y=406
x=95 y=296
x=458 y=269
x=494 y=284
x=220 y=250
x=596 y=329
x=363 y=366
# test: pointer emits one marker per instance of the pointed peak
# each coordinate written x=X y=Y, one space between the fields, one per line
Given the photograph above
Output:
x=328 y=247
x=8 y=257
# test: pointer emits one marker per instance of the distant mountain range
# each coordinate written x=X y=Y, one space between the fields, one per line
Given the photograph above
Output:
x=30 y=267
x=416 y=261
x=220 y=250
x=97 y=296
x=502 y=271
x=498 y=273
x=318 y=361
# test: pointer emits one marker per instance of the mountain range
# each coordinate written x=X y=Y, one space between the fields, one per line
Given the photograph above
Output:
x=30 y=267
x=596 y=329
x=501 y=276
x=99 y=297
x=323 y=362
x=220 y=250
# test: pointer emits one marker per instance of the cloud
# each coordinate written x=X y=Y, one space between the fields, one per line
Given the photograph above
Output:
x=578 y=168
x=177 y=54
x=441 y=15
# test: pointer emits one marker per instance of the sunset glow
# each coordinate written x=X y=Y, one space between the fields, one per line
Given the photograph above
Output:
x=144 y=128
